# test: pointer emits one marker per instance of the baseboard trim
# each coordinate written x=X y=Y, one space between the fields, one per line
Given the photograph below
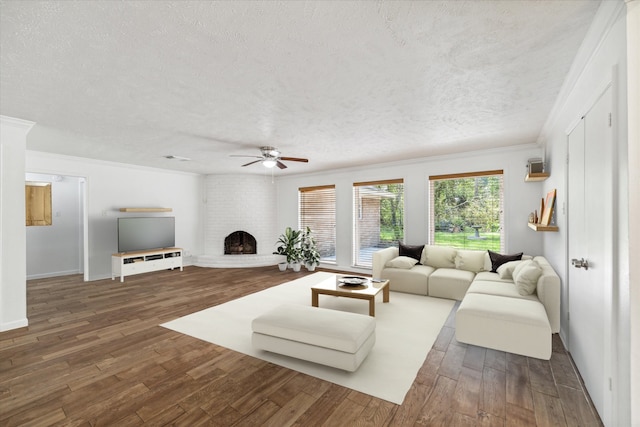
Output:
x=22 y=323
x=53 y=274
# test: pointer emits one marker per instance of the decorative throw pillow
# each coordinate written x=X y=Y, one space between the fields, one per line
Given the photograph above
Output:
x=526 y=276
x=470 y=260
x=498 y=259
x=505 y=271
x=405 y=262
x=410 y=251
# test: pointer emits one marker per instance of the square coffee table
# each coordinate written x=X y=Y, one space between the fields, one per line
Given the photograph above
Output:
x=352 y=287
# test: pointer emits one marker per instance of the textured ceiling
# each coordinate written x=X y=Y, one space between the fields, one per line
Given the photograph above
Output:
x=342 y=83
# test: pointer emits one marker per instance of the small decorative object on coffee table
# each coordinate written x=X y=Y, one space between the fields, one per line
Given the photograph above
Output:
x=352 y=287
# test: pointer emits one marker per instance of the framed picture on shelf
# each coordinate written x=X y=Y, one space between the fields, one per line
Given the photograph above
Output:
x=549 y=202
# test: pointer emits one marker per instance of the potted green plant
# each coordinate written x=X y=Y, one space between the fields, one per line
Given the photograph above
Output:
x=295 y=257
x=288 y=244
x=310 y=254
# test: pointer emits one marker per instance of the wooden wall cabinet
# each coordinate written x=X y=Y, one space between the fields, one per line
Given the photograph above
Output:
x=37 y=197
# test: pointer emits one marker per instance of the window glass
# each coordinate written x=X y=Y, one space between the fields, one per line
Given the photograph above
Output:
x=378 y=218
x=467 y=210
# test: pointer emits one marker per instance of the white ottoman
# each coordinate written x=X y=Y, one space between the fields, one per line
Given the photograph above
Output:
x=328 y=337
x=513 y=325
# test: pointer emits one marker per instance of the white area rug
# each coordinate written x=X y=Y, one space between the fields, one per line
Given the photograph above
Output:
x=406 y=329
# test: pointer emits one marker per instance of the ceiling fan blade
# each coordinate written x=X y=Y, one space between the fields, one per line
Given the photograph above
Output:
x=250 y=163
x=281 y=165
x=294 y=159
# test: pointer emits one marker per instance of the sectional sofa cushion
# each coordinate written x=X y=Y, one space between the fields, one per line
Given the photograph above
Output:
x=499 y=288
x=410 y=251
x=439 y=256
x=470 y=260
x=405 y=262
x=507 y=324
x=491 y=277
x=526 y=276
x=413 y=281
x=450 y=283
x=498 y=259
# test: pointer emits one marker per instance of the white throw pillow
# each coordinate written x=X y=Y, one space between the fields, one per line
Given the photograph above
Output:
x=505 y=271
x=405 y=262
x=439 y=256
x=470 y=260
x=526 y=276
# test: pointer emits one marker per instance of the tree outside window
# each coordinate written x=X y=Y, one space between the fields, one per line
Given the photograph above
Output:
x=467 y=210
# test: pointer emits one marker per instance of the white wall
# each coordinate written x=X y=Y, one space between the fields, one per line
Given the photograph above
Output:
x=602 y=60
x=520 y=197
x=56 y=249
x=110 y=186
x=13 y=285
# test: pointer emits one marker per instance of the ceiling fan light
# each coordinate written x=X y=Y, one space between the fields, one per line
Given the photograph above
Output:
x=269 y=163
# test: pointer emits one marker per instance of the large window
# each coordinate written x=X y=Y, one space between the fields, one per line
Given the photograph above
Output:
x=378 y=218
x=467 y=210
x=318 y=212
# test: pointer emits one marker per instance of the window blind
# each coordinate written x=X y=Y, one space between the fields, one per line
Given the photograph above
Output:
x=317 y=210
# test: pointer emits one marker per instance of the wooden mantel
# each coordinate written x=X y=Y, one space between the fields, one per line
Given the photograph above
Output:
x=146 y=209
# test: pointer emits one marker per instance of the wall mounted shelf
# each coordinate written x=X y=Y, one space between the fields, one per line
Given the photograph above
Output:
x=536 y=177
x=540 y=227
x=146 y=209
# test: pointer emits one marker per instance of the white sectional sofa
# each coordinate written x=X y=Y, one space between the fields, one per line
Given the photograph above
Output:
x=514 y=309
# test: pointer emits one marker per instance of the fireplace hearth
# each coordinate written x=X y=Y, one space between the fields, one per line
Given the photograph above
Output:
x=240 y=243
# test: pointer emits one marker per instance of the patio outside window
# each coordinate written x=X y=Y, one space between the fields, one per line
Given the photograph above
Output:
x=378 y=218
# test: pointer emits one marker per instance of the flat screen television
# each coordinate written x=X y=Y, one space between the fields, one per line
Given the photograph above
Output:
x=143 y=233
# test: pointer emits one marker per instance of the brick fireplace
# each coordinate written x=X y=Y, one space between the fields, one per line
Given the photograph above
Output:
x=240 y=222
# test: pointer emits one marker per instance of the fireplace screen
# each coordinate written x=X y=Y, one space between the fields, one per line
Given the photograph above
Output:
x=240 y=243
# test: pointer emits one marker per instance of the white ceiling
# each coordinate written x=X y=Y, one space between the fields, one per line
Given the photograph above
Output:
x=342 y=83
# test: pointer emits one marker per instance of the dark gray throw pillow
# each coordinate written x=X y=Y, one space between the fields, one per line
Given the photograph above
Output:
x=414 y=252
x=498 y=259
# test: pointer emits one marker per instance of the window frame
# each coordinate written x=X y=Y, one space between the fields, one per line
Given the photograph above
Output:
x=359 y=216
x=432 y=214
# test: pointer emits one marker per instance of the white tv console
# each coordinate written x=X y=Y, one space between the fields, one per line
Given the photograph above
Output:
x=129 y=263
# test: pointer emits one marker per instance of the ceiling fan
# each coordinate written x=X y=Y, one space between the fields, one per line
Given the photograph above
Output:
x=271 y=157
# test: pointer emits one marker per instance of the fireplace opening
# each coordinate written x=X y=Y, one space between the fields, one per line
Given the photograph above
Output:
x=240 y=243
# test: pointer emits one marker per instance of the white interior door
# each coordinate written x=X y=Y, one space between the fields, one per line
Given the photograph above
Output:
x=590 y=230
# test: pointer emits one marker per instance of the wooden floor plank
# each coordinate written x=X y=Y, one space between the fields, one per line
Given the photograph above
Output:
x=437 y=410
x=518 y=386
x=576 y=408
x=466 y=398
x=494 y=399
x=94 y=354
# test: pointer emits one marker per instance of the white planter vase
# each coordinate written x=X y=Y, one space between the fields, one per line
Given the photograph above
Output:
x=311 y=267
x=296 y=266
x=282 y=266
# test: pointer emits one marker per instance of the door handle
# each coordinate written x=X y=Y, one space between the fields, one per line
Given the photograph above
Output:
x=580 y=263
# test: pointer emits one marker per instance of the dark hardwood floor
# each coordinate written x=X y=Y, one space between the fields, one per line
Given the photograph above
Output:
x=93 y=354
